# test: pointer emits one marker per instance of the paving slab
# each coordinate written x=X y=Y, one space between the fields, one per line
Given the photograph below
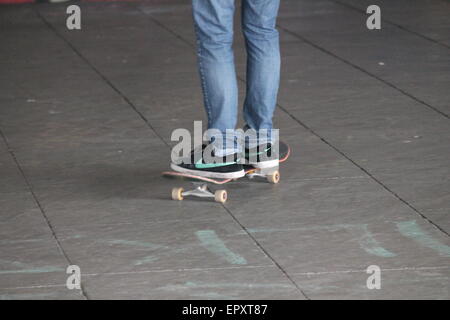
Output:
x=104 y=204
x=388 y=136
x=403 y=14
x=396 y=283
x=440 y=216
x=408 y=243
x=306 y=201
x=31 y=263
x=424 y=189
x=400 y=51
x=208 y=284
x=21 y=217
x=56 y=292
x=12 y=179
x=185 y=244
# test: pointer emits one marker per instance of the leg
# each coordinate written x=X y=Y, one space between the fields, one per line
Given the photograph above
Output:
x=213 y=22
x=263 y=61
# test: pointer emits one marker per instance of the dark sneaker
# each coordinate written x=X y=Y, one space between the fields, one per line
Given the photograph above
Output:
x=228 y=167
x=262 y=156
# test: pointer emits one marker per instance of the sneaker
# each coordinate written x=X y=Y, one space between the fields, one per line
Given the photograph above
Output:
x=228 y=167
x=261 y=156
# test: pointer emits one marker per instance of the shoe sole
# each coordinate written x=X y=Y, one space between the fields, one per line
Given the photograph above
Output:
x=266 y=164
x=209 y=174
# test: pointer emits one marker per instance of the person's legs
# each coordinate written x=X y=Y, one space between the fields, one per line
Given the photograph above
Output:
x=263 y=62
x=213 y=22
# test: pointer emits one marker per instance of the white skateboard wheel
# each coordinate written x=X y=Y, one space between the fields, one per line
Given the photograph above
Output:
x=220 y=196
x=274 y=177
x=177 y=193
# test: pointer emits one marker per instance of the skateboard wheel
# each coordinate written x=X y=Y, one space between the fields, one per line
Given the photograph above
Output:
x=274 y=177
x=177 y=193
x=220 y=196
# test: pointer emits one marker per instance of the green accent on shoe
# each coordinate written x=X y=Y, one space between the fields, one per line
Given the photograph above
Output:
x=201 y=165
x=258 y=153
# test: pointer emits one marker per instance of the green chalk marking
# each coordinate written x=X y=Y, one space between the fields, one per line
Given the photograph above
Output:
x=411 y=230
x=148 y=259
x=366 y=239
x=213 y=244
x=15 y=264
x=24 y=268
x=139 y=244
x=368 y=242
x=135 y=243
x=24 y=296
x=213 y=296
x=20 y=241
x=34 y=270
x=191 y=284
x=231 y=285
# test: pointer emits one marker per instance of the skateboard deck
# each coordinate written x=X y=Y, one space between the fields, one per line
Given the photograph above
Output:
x=271 y=174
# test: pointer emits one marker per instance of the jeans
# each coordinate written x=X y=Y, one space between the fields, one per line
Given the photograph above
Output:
x=213 y=21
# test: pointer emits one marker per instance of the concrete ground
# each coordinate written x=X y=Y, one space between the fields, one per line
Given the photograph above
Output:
x=86 y=117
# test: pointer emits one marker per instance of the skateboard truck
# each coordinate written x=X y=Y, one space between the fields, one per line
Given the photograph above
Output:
x=273 y=176
x=201 y=191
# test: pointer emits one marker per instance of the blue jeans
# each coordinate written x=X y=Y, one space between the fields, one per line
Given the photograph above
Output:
x=213 y=20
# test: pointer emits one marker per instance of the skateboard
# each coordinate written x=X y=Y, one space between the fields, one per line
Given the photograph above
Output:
x=272 y=175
